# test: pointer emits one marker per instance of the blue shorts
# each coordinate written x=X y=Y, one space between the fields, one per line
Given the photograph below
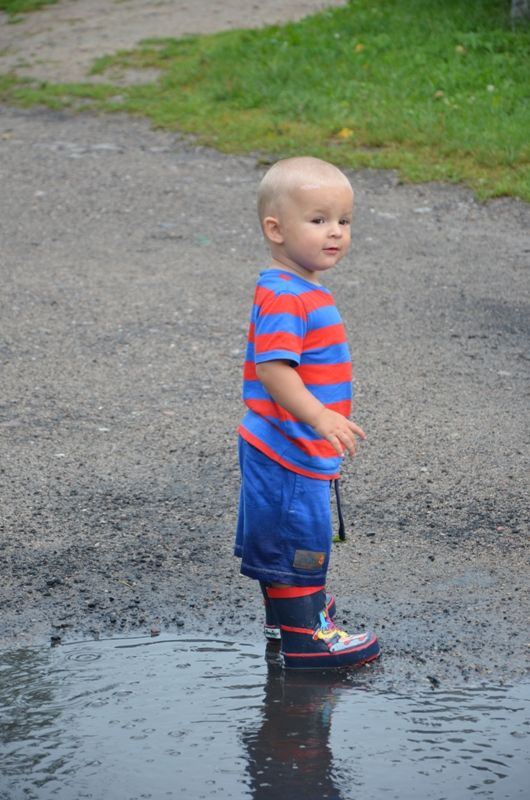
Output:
x=284 y=527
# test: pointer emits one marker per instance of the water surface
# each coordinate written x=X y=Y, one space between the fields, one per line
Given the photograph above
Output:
x=170 y=718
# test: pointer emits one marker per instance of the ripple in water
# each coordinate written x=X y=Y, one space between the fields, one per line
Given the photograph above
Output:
x=167 y=718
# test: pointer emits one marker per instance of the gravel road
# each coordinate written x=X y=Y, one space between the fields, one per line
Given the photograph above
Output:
x=61 y=42
x=128 y=261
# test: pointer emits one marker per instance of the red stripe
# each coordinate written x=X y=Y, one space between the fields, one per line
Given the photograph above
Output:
x=310 y=300
x=266 y=408
x=263 y=448
x=342 y=407
x=249 y=371
x=261 y=295
x=325 y=337
x=315 y=447
x=281 y=340
x=322 y=374
x=315 y=299
x=282 y=304
x=278 y=592
x=289 y=629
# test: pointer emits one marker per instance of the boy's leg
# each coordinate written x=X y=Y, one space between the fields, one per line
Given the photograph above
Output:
x=271 y=627
x=284 y=541
x=284 y=524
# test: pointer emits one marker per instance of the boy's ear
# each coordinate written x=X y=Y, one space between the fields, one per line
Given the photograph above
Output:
x=272 y=230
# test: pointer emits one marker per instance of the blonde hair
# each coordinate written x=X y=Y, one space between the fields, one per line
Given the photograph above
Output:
x=290 y=174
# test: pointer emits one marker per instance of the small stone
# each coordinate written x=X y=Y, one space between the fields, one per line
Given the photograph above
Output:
x=59 y=624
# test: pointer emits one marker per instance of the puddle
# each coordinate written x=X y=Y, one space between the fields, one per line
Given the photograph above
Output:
x=169 y=718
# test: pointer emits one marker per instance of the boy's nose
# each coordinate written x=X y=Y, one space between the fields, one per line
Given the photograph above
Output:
x=336 y=230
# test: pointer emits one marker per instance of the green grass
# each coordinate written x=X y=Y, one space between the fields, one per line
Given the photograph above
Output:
x=13 y=7
x=438 y=90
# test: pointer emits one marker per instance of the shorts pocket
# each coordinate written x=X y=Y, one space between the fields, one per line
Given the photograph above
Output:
x=308 y=523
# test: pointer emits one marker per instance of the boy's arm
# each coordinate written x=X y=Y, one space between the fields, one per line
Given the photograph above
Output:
x=287 y=388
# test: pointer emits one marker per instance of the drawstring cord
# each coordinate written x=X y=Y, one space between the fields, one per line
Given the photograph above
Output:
x=342 y=528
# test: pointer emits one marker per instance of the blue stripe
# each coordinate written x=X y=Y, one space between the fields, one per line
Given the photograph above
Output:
x=271 y=279
x=255 y=390
x=275 y=355
x=332 y=393
x=297 y=430
x=335 y=354
x=272 y=323
x=332 y=354
x=322 y=317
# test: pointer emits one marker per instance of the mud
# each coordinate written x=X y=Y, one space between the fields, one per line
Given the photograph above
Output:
x=128 y=261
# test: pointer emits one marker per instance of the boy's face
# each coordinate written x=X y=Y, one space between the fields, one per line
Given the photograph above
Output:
x=313 y=229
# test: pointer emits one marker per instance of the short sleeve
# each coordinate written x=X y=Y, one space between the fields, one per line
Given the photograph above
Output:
x=280 y=328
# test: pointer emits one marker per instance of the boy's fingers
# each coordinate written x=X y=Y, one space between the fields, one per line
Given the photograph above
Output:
x=337 y=444
x=357 y=430
x=351 y=449
x=348 y=445
x=344 y=441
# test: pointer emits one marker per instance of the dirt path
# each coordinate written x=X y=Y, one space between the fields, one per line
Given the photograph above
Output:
x=128 y=261
x=60 y=42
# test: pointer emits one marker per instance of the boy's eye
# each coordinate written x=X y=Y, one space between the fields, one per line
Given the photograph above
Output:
x=345 y=222
x=318 y=220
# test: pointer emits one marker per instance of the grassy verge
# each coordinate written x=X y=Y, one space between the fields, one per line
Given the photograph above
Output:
x=436 y=90
x=13 y=7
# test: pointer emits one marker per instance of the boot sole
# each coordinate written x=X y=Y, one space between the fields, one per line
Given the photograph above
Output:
x=355 y=657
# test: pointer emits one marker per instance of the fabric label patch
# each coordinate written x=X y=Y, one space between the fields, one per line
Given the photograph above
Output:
x=309 y=559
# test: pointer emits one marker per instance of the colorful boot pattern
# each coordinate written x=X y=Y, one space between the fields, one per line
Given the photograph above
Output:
x=310 y=639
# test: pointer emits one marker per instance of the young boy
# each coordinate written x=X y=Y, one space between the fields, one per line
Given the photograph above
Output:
x=297 y=389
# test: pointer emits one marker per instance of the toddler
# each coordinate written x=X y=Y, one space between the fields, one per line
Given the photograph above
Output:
x=297 y=387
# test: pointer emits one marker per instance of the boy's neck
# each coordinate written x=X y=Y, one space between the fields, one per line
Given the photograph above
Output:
x=309 y=277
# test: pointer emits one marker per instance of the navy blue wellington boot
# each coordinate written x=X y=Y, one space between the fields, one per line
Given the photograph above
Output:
x=272 y=626
x=310 y=639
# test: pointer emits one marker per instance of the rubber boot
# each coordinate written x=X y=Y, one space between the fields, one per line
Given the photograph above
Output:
x=272 y=626
x=310 y=639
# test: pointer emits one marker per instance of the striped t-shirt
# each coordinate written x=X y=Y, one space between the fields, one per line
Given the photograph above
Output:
x=296 y=321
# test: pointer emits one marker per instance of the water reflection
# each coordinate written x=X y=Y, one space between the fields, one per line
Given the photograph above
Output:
x=289 y=751
x=173 y=717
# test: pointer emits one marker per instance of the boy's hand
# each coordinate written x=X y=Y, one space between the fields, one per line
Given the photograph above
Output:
x=338 y=431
